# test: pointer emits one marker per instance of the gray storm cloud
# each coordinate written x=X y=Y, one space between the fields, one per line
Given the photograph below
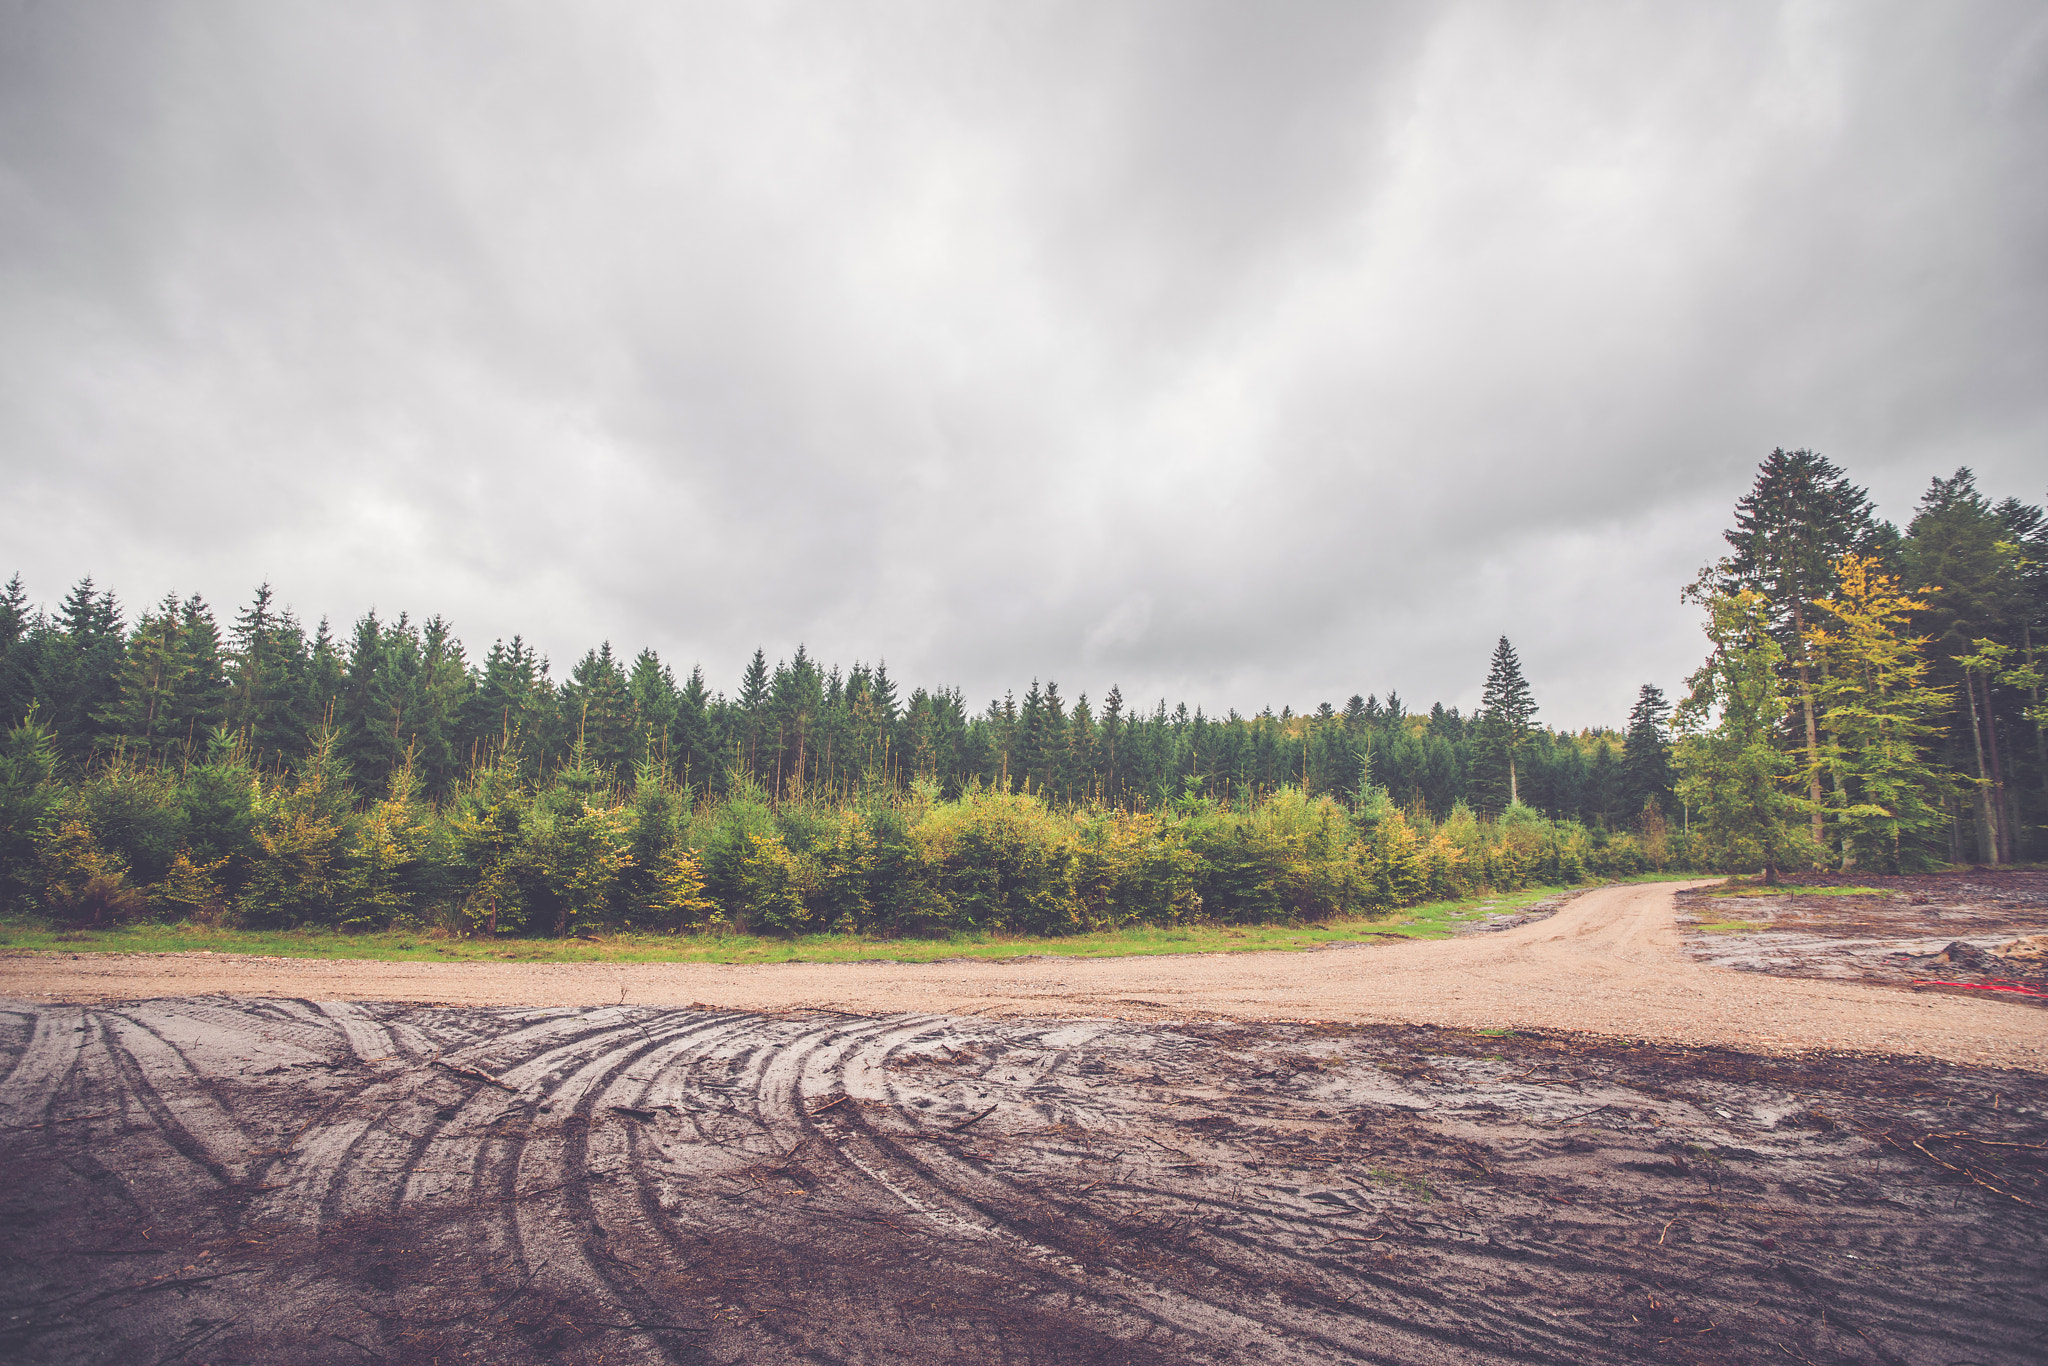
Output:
x=1241 y=354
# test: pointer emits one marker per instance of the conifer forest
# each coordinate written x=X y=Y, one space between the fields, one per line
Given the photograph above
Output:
x=1871 y=698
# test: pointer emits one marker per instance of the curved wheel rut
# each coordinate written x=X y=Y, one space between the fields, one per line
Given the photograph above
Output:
x=312 y=1181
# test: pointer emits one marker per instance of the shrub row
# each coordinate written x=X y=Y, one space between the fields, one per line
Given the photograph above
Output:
x=220 y=842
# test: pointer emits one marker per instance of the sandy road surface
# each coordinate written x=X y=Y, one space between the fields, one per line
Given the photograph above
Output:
x=1609 y=963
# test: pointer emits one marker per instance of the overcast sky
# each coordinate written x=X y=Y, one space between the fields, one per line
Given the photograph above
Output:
x=1247 y=354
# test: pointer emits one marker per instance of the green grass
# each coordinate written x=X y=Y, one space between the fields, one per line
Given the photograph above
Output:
x=1414 y=1186
x=1438 y=920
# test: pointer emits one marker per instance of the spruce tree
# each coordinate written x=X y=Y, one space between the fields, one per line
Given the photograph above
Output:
x=1110 y=745
x=1647 y=778
x=144 y=717
x=597 y=710
x=268 y=706
x=1506 y=708
x=1603 y=786
x=752 y=699
x=76 y=668
x=17 y=688
x=1962 y=555
x=202 y=699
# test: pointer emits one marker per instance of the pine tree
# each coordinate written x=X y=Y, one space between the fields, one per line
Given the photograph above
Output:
x=1960 y=556
x=693 y=749
x=1604 y=785
x=653 y=689
x=752 y=700
x=153 y=668
x=1506 y=708
x=442 y=685
x=1112 y=737
x=77 y=668
x=597 y=710
x=268 y=706
x=1647 y=778
x=17 y=685
x=202 y=691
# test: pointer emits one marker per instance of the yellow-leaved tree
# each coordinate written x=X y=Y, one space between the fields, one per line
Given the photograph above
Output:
x=1882 y=793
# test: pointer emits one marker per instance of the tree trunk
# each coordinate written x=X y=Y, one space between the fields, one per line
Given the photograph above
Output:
x=1812 y=729
x=2004 y=831
x=2040 y=729
x=1987 y=822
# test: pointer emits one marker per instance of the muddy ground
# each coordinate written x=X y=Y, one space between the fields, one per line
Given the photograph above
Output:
x=237 y=1180
x=1973 y=931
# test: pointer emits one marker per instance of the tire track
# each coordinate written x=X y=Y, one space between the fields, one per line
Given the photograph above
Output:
x=671 y=1187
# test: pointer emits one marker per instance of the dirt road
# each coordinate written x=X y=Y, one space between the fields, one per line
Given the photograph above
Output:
x=843 y=1164
x=1609 y=963
x=220 y=1180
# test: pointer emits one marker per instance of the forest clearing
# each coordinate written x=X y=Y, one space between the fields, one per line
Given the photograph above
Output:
x=1024 y=685
x=1519 y=1155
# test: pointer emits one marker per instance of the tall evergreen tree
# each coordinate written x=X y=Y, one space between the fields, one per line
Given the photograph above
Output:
x=1959 y=553
x=1647 y=778
x=1507 y=707
x=77 y=668
x=1603 y=786
x=268 y=703
x=17 y=682
x=202 y=704
x=752 y=703
x=597 y=709
x=145 y=717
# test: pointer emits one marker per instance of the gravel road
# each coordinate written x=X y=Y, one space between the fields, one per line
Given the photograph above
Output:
x=1610 y=963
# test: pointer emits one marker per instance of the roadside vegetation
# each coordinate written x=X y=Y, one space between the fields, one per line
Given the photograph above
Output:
x=1434 y=920
x=1874 y=698
x=1872 y=701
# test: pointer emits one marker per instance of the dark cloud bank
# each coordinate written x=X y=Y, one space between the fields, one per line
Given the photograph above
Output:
x=1245 y=354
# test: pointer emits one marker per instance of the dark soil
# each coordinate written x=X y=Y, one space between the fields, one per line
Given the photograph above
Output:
x=214 y=1181
x=1958 y=932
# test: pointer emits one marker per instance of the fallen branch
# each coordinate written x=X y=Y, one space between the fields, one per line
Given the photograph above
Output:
x=1987 y=1142
x=1965 y=1173
x=1565 y=1123
x=1960 y=1171
x=979 y=1118
x=476 y=1075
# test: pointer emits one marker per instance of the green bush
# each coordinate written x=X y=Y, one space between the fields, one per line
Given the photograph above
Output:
x=503 y=853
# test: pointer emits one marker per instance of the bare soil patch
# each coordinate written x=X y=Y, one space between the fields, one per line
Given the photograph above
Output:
x=1609 y=962
x=1979 y=932
x=239 y=1180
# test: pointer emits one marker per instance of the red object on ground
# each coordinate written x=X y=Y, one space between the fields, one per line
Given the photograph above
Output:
x=1988 y=986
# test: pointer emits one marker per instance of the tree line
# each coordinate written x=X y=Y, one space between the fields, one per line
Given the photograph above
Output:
x=174 y=687
x=273 y=775
x=1873 y=696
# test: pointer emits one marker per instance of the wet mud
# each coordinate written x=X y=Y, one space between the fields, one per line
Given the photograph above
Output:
x=1978 y=932
x=236 y=1180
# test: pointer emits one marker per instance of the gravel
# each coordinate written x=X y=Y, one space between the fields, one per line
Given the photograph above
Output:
x=1610 y=963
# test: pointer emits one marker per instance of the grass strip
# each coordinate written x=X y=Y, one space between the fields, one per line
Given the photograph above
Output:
x=1436 y=920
